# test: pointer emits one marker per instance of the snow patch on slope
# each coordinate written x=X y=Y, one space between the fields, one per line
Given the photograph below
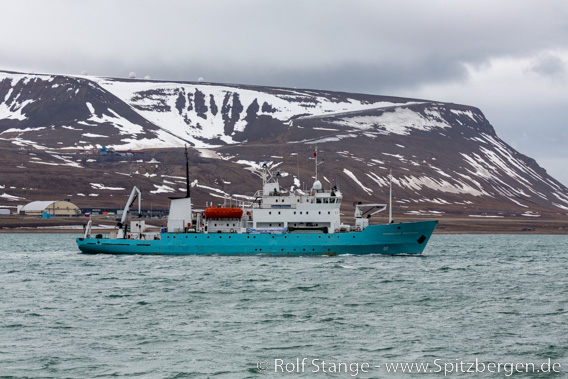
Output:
x=354 y=178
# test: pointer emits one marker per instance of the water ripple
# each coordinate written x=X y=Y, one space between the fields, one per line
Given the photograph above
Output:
x=64 y=314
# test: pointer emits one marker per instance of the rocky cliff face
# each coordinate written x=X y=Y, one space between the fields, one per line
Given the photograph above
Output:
x=445 y=158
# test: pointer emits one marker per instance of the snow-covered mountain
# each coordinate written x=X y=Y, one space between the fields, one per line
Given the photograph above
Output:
x=445 y=158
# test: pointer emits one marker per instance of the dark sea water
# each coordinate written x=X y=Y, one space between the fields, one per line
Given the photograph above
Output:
x=499 y=299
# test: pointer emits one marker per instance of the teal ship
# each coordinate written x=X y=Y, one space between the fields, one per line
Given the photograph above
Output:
x=276 y=222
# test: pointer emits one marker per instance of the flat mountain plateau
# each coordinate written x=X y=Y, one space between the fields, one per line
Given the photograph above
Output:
x=90 y=140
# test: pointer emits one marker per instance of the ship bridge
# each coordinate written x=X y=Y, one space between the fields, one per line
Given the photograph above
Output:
x=316 y=211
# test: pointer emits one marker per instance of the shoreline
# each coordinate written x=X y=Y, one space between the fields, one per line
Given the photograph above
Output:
x=446 y=225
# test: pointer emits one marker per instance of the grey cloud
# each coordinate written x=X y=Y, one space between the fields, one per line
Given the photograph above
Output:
x=324 y=42
x=550 y=64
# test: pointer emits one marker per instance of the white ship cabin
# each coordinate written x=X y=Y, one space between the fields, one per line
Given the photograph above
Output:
x=277 y=211
x=316 y=211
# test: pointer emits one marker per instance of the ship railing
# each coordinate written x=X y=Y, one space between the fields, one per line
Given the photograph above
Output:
x=230 y=202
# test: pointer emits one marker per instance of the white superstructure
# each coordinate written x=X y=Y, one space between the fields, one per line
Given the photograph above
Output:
x=273 y=207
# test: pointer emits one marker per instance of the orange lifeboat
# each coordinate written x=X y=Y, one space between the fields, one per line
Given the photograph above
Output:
x=213 y=212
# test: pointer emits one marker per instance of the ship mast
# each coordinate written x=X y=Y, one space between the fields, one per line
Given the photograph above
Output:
x=390 y=196
x=317 y=164
x=186 y=173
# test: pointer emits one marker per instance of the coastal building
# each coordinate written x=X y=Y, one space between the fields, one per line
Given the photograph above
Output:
x=52 y=208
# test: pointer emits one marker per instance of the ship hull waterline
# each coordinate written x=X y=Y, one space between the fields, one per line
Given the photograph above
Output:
x=393 y=239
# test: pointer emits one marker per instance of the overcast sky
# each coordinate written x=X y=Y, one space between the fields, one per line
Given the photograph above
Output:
x=507 y=57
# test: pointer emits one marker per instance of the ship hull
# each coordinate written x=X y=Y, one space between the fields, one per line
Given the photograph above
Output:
x=403 y=238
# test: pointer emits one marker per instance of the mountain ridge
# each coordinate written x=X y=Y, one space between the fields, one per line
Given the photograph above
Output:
x=446 y=158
